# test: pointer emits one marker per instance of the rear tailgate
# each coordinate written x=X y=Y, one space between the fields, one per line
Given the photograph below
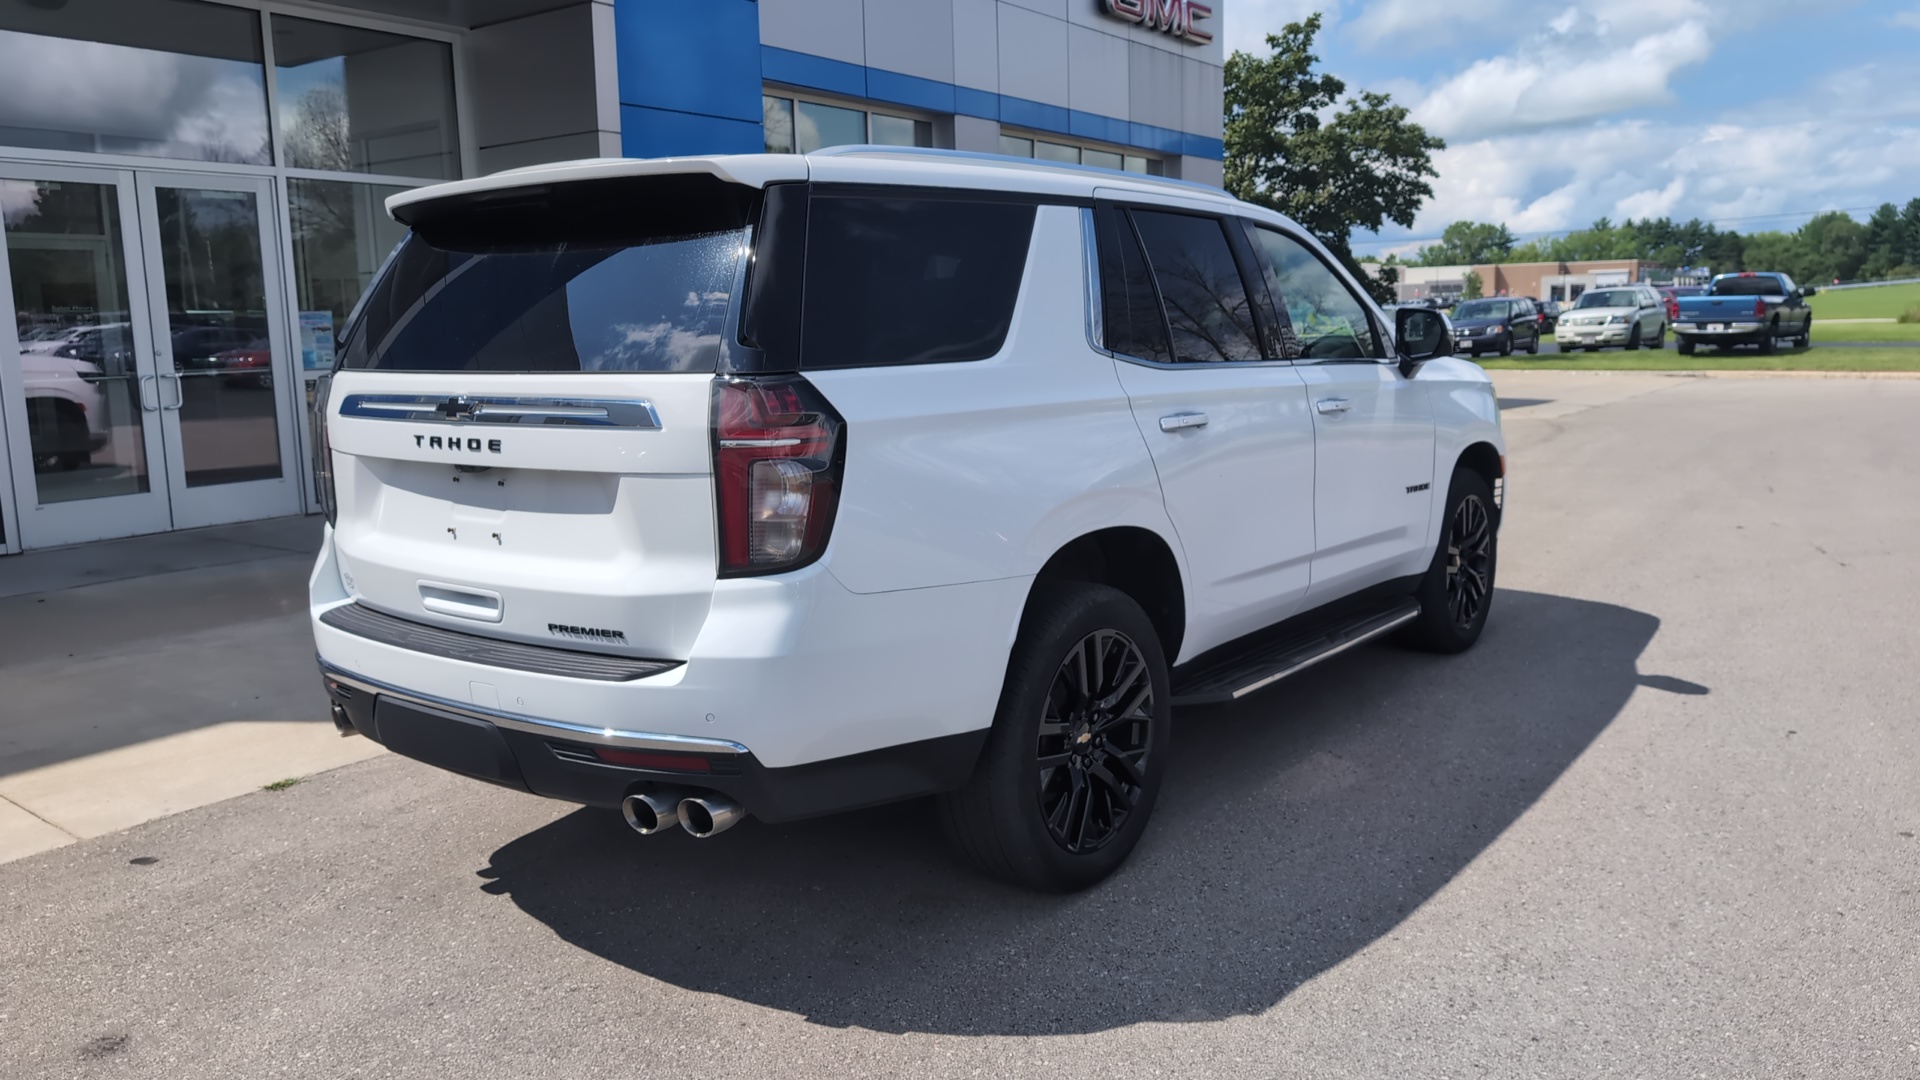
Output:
x=520 y=421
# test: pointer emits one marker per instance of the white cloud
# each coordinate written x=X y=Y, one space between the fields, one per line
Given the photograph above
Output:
x=1652 y=203
x=1577 y=75
x=19 y=200
x=1907 y=18
x=1248 y=22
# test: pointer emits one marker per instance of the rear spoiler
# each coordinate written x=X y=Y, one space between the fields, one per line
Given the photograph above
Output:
x=748 y=170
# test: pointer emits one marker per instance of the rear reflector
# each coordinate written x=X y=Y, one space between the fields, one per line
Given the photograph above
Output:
x=642 y=759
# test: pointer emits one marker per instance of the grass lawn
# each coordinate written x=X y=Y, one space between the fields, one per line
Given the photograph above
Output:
x=1874 y=302
x=1814 y=359
x=1884 y=331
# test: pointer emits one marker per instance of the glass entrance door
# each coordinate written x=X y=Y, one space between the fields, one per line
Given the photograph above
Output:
x=220 y=348
x=77 y=379
x=141 y=376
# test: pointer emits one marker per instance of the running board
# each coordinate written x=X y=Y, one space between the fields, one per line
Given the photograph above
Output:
x=1234 y=677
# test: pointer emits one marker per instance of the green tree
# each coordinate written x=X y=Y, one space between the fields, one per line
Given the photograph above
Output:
x=1468 y=242
x=1769 y=251
x=1333 y=170
x=1830 y=245
x=1472 y=286
x=1885 y=234
x=1910 y=233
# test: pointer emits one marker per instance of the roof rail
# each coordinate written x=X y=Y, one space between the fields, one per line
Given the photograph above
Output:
x=870 y=150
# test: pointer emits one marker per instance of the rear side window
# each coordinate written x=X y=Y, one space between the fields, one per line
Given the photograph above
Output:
x=1200 y=287
x=1135 y=324
x=910 y=280
x=632 y=275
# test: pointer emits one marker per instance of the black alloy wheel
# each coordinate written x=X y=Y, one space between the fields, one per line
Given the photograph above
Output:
x=1094 y=740
x=1469 y=561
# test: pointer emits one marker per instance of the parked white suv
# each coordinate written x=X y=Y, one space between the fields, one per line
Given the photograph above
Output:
x=782 y=485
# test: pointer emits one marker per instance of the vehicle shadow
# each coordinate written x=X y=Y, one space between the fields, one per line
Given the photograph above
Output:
x=1296 y=828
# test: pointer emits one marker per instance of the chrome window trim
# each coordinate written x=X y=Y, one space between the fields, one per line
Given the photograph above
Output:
x=635 y=413
x=632 y=740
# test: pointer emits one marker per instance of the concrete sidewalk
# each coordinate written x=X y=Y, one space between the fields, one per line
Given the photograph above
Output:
x=147 y=676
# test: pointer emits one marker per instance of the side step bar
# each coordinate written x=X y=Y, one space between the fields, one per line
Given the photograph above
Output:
x=1265 y=663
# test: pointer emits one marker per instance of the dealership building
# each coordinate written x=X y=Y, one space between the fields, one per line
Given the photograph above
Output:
x=191 y=190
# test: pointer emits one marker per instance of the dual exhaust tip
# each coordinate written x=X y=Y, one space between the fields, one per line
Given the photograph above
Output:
x=705 y=815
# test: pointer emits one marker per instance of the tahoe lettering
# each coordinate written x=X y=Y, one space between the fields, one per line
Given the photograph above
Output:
x=454 y=444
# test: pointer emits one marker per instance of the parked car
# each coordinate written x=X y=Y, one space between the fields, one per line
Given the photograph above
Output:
x=255 y=362
x=1550 y=311
x=1544 y=320
x=1746 y=309
x=66 y=410
x=1626 y=315
x=865 y=475
x=1499 y=325
x=1672 y=294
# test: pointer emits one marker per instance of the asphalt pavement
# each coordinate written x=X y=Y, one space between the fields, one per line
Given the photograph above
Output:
x=1663 y=822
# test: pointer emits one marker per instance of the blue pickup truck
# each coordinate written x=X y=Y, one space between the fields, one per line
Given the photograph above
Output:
x=1745 y=309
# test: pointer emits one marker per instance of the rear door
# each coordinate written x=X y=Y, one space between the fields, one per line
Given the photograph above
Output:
x=1224 y=417
x=519 y=423
x=1373 y=427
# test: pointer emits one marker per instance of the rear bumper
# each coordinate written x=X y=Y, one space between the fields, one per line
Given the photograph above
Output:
x=1740 y=333
x=560 y=761
x=794 y=670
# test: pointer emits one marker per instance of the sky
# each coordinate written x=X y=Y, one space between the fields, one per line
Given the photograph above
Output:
x=1752 y=114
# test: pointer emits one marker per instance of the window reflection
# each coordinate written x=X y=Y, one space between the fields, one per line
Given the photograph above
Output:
x=166 y=78
x=355 y=100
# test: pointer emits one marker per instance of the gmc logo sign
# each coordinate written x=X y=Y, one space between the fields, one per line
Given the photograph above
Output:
x=1176 y=17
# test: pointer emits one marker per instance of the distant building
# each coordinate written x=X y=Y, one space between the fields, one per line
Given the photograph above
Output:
x=1562 y=281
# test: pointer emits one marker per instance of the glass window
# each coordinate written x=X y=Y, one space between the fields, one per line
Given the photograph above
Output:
x=1327 y=320
x=84 y=421
x=341 y=235
x=1015 y=146
x=354 y=100
x=1136 y=325
x=1200 y=287
x=818 y=126
x=901 y=131
x=776 y=119
x=633 y=276
x=1101 y=158
x=910 y=281
x=1049 y=151
x=167 y=78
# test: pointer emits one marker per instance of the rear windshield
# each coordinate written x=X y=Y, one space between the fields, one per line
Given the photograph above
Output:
x=1481 y=309
x=1761 y=285
x=583 y=278
x=1609 y=298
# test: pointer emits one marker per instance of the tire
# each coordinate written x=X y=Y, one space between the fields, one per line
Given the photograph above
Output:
x=1684 y=346
x=1805 y=340
x=1506 y=344
x=1660 y=338
x=1767 y=339
x=1015 y=818
x=1633 y=338
x=1533 y=347
x=1456 y=592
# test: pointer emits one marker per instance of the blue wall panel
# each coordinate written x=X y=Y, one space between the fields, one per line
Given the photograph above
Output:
x=817 y=72
x=910 y=90
x=648 y=132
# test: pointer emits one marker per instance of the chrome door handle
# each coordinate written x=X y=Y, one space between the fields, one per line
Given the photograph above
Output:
x=179 y=394
x=1327 y=406
x=146 y=381
x=1181 y=420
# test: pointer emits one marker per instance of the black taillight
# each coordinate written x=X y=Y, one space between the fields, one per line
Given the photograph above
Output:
x=323 y=450
x=778 y=454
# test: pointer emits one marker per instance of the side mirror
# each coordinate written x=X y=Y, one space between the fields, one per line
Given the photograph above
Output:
x=1808 y=291
x=1421 y=335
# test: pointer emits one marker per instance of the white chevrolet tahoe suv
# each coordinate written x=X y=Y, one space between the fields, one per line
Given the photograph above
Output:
x=783 y=485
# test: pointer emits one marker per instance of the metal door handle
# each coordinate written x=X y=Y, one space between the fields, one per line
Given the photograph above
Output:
x=145 y=381
x=1329 y=405
x=1179 y=421
x=179 y=393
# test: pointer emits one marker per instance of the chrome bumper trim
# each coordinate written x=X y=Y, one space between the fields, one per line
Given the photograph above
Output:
x=604 y=736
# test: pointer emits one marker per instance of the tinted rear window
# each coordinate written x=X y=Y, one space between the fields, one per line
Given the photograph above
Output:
x=1200 y=287
x=1759 y=285
x=910 y=280
x=631 y=275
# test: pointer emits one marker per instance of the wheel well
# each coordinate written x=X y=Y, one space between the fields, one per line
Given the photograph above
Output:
x=1138 y=563
x=1482 y=458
